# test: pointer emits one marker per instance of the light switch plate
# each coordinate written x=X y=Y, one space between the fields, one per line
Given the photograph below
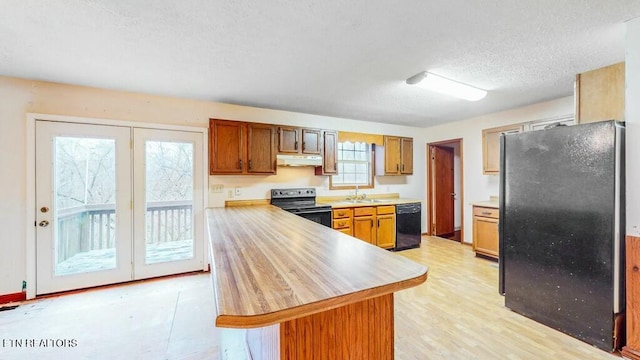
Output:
x=216 y=188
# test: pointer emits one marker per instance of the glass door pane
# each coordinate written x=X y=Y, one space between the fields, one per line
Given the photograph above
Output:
x=169 y=201
x=85 y=193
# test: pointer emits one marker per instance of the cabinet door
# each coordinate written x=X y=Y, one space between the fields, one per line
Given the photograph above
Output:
x=386 y=231
x=491 y=147
x=406 y=161
x=600 y=94
x=288 y=140
x=364 y=229
x=485 y=236
x=330 y=151
x=391 y=155
x=312 y=141
x=225 y=147
x=261 y=155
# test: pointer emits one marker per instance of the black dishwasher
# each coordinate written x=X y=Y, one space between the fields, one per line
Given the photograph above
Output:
x=408 y=226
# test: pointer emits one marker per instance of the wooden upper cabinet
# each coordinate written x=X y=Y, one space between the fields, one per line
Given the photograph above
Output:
x=312 y=141
x=599 y=94
x=294 y=140
x=406 y=156
x=261 y=154
x=491 y=147
x=329 y=151
x=237 y=147
x=391 y=155
x=225 y=147
x=288 y=140
x=396 y=157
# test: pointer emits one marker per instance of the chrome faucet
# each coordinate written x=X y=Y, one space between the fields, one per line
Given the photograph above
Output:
x=355 y=196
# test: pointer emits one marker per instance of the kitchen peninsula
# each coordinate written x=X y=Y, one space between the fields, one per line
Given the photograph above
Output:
x=302 y=289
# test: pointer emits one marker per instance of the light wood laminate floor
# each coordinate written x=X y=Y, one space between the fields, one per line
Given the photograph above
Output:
x=456 y=314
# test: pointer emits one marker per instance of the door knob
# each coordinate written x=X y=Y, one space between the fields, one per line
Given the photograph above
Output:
x=453 y=194
x=43 y=223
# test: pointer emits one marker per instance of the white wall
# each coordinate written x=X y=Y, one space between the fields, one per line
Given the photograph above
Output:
x=19 y=97
x=632 y=119
x=476 y=186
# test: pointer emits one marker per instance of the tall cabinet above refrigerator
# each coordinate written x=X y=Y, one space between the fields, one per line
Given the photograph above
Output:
x=561 y=224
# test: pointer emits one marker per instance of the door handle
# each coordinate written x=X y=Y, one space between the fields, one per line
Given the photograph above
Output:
x=240 y=165
x=43 y=223
x=250 y=165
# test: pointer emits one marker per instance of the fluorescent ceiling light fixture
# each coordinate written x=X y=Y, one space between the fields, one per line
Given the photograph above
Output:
x=429 y=81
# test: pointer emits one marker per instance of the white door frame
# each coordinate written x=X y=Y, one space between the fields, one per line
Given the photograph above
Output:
x=30 y=229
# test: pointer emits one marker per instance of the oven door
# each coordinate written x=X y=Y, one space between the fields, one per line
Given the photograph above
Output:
x=320 y=216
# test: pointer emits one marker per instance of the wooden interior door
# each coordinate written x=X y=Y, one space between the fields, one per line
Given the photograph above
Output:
x=443 y=191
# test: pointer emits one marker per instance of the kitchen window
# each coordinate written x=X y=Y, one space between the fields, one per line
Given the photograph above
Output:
x=354 y=166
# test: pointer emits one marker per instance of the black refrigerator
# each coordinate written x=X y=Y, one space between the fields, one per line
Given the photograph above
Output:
x=561 y=253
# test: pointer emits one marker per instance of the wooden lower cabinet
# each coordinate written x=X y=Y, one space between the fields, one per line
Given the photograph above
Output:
x=364 y=224
x=373 y=224
x=485 y=231
x=386 y=222
x=342 y=220
x=632 y=349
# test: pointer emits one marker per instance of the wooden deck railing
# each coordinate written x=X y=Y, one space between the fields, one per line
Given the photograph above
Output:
x=92 y=227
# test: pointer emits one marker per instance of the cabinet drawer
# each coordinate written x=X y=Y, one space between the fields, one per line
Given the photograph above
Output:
x=342 y=213
x=387 y=209
x=486 y=212
x=363 y=211
x=341 y=223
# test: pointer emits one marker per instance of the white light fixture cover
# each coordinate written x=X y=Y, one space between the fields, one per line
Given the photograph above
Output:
x=429 y=81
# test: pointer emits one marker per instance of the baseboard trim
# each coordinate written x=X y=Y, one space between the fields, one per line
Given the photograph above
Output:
x=15 y=297
x=629 y=353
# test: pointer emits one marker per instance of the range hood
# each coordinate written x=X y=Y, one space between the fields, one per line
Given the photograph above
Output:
x=299 y=160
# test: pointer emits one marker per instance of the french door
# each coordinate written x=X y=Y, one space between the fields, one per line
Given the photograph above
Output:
x=109 y=212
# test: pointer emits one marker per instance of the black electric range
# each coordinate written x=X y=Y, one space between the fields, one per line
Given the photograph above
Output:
x=302 y=202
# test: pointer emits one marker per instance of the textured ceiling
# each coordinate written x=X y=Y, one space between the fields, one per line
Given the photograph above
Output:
x=344 y=58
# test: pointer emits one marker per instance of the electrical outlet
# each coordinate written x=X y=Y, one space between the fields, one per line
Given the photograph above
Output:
x=237 y=191
x=230 y=194
x=216 y=188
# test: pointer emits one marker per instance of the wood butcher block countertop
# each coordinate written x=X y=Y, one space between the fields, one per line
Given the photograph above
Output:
x=270 y=266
